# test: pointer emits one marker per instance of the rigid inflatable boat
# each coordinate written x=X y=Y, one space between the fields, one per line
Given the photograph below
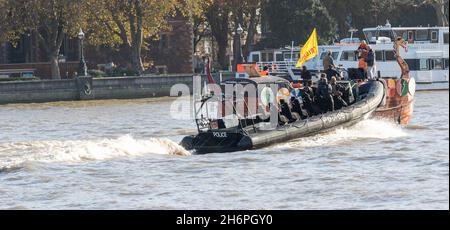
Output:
x=244 y=136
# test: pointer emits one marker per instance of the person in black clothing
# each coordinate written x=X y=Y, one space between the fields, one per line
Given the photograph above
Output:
x=337 y=92
x=371 y=64
x=297 y=108
x=331 y=72
x=308 y=97
x=286 y=111
x=306 y=75
x=324 y=95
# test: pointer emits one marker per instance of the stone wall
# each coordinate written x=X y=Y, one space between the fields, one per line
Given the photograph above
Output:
x=90 y=89
x=38 y=91
x=137 y=87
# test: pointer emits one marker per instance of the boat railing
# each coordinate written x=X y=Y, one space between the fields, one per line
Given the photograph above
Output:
x=204 y=119
x=280 y=67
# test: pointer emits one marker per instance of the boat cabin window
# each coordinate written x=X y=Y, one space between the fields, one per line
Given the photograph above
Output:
x=445 y=38
x=270 y=57
x=386 y=34
x=379 y=55
x=424 y=64
x=422 y=35
x=413 y=64
x=371 y=36
x=402 y=33
x=279 y=57
x=266 y=57
x=295 y=56
x=255 y=57
x=434 y=36
x=389 y=55
x=334 y=54
x=288 y=56
x=263 y=57
x=411 y=36
x=349 y=56
x=437 y=63
x=427 y=64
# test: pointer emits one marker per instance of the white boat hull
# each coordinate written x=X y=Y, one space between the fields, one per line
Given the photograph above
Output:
x=432 y=86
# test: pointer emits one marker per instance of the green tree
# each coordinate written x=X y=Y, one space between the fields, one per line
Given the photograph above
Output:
x=253 y=19
x=218 y=17
x=50 y=20
x=245 y=13
x=371 y=13
x=294 y=20
x=440 y=7
x=224 y=17
x=129 y=23
x=3 y=30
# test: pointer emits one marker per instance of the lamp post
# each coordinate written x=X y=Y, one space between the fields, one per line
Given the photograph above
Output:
x=62 y=59
x=82 y=69
x=238 y=47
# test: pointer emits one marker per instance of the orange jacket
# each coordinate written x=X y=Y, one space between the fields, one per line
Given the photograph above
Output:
x=264 y=73
x=362 y=64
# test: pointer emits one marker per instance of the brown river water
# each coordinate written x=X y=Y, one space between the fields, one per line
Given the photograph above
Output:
x=123 y=154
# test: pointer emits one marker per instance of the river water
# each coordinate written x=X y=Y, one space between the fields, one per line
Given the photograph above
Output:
x=123 y=155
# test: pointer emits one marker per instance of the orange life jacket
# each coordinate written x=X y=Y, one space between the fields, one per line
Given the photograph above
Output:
x=264 y=73
x=362 y=64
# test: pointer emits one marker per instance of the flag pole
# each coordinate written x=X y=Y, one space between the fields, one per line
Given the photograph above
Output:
x=292 y=51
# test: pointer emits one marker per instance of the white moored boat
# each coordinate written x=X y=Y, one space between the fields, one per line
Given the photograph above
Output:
x=427 y=55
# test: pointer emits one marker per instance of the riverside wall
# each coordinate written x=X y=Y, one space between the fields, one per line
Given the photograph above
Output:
x=87 y=88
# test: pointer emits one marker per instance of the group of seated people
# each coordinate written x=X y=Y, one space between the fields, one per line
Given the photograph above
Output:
x=311 y=101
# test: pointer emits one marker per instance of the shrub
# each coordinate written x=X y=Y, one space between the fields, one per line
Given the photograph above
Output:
x=97 y=73
x=19 y=79
x=120 y=72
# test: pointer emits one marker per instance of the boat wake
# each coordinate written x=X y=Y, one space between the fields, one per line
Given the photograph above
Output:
x=367 y=129
x=15 y=155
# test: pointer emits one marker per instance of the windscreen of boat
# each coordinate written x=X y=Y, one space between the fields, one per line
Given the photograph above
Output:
x=374 y=35
x=212 y=114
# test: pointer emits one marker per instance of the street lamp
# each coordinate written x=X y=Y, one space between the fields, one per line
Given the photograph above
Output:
x=238 y=47
x=82 y=69
x=62 y=59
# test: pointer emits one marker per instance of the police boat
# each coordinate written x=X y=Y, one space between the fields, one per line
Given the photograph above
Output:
x=238 y=121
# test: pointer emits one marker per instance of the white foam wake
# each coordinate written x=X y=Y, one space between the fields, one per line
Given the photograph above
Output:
x=367 y=129
x=15 y=154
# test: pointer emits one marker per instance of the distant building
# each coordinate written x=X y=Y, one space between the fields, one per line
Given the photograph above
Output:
x=175 y=49
x=29 y=56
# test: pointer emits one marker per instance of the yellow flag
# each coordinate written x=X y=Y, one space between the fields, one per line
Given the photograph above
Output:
x=310 y=50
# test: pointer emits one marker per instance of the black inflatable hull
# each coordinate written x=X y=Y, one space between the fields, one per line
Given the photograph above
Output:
x=218 y=141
